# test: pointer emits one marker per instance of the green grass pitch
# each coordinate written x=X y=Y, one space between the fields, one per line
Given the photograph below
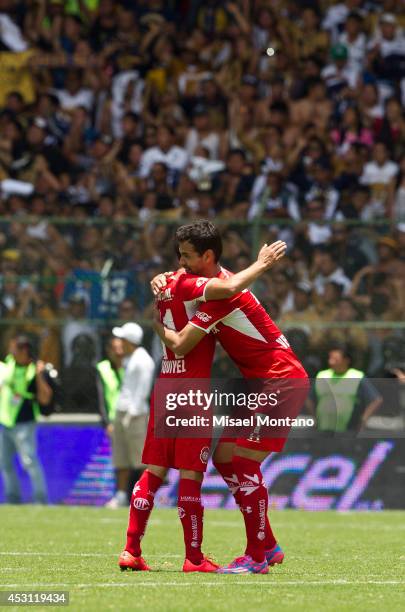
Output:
x=353 y=561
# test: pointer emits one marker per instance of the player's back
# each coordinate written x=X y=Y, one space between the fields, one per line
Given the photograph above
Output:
x=253 y=340
x=176 y=308
x=249 y=336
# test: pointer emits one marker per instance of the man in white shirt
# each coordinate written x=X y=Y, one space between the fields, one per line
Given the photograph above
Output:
x=389 y=38
x=166 y=152
x=355 y=41
x=131 y=411
x=328 y=271
x=337 y=14
x=11 y=35
x=74 y=94
x=381 y=169
x=379 y=174
x=340 y=73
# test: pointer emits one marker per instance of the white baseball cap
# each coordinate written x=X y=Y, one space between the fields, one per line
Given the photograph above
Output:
x=129 y=331
x=388 y=18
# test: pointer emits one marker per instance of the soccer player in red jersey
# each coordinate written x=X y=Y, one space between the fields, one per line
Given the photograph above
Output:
x=260 y=350
x=177 y=304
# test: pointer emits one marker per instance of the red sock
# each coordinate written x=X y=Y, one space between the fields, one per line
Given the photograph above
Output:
x=253 y=504
x=140 y=509
x=227 y=472
x=269 y=540
x=191 y=515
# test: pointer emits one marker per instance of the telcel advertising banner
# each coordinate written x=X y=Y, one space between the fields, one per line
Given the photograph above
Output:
x=311 y=474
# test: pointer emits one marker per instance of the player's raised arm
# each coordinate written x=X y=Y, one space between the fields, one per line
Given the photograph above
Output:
x=222 y=288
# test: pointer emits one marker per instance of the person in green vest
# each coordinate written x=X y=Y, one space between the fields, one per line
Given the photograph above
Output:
x=111 y=373
x=342 y=398
x=25 y=393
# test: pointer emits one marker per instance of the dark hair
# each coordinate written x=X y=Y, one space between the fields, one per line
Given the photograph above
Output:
x=203 y=235
x=25 y=342
x=16 y=94
x=352 y=303
x=236 y=151
x=131 y=115
x=279 y=107
x=343 y=348
x=355 y=15
x=168 y=128
x=314 y=82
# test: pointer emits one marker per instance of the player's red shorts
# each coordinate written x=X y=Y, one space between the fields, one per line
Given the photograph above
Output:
x=285 y=367
x=179 y=453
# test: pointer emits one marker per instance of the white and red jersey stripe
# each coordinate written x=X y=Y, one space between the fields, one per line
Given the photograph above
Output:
x=248 y=335
x=178 y=303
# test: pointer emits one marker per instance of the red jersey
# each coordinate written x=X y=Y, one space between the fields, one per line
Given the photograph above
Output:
x=249 y=336
x=177 y=303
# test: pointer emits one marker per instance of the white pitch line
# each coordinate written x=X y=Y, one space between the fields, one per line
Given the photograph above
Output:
x=113 y=555
x=309 y=527
x=290 y=526
x=71 y=554
x=254 y=583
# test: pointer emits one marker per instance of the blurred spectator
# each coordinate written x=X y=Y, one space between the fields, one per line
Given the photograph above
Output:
x=128 y=311
x=379 y=173
x=342 y=398
x=111 y=373
x=273 y=199
x=354 y=39
x=398 y=197
x=326 y=270
x=346 y=248
x=131 y=411
x=25 y=393
x=351 y=130
x=340 y=73
x=201 y=135
x=348 y=311
x=303 y=312
x=166 y=152
x=76 y=325
x=387 y=47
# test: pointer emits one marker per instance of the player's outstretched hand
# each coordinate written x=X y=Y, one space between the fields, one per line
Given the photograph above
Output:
x=270 y=253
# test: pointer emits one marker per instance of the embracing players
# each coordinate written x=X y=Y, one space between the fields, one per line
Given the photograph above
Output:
x=259 y=349
x=178 y=303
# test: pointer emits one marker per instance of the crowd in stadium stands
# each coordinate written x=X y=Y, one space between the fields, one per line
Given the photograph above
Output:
x=286 y=112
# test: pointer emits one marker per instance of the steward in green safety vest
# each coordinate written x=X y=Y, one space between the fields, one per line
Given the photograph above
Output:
x=112 y=380
x=345 y=399
x=15 y=384
x=22 y=397
x=111 y=374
